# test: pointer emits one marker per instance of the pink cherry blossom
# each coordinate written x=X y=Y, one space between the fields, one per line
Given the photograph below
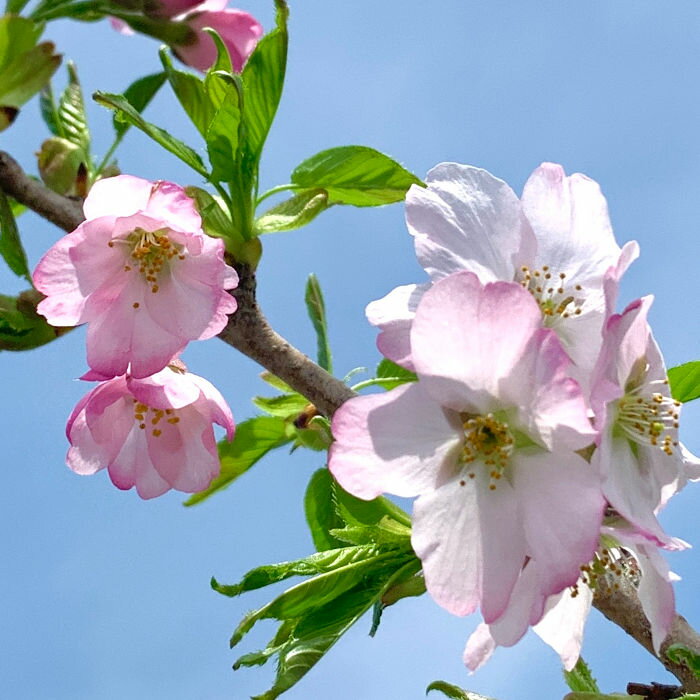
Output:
x=623 y=553
x=487 y=440
x=239 y=30
x=556 y=242
x=639 y=456
x=155 y=434
x=141 y=273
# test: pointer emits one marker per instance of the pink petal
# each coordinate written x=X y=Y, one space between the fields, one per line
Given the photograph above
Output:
x=399 y=442
x=550 y=404
x=133 y=467
x=470 y=543
x=170 y=203
x=569 y=216
x=461 y=366
x=467 y=219
x=165 y=389
x=563 y=624
x=562 y=532
x=394 y=314
x=480 y=647
x=239 y=30
x=216 y=405
x=121 y=195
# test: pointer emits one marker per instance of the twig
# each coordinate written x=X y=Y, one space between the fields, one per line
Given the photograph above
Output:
x=66 y=213
x=249 y=332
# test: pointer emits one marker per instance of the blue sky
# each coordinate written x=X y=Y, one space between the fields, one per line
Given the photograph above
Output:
x=106 y=596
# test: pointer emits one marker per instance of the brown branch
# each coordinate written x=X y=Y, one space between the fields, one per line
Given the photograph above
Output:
x=66 y=213
x=617 y=599
x=249 y=332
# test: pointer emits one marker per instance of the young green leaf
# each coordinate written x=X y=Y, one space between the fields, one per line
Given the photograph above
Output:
x=453 y=691
x=685 y=381
x=222 y=133
x=355 y=511
x=313 y=636
x=215 y=219
x=10 y=244
x=253 y=440
x=61 y=164
x=49 y=110
x=263 y=79
x=316 y=309
x=355 y=175
x=321 y=511
x=129 y=115
x=293 y=213
x=315 y=564
x=21 y=328
x=191 y=93
x=404 y=583
x=71 y=113
x=681 y=654
x=139 y=95
x=285 y=406
x=580 y=678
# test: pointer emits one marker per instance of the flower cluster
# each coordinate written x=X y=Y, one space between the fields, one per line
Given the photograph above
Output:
x=239 y=30
x=540 y=437
x=147 y=280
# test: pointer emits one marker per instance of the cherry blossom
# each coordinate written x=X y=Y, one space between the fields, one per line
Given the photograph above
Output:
x=239 y=30
x=487 y=440
x=155 y=434
x=141 y=273
x=639 y=456
x=557 y=242
x=623 y=554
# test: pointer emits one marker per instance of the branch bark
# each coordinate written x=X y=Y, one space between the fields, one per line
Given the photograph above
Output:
x=249 y=332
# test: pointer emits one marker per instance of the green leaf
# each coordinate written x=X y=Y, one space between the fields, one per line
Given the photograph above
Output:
x=191 y=93
x=26 y=74
x=580 y=678
x=223 y=58
x=253 y=440
x=355 y=511
x=71 y=113
x=314 y=636
x=315 y=592
x=320 y=509
x=355 y=175
x=681 y=654
x=404 y=583
x=215 y=219
x=316 y=309
x=276 y=382
x=285 y=406
x=139 y=95
x=685 y=381
x=293 y=213
x=222 y=134
x=393 y=375
x=453 y=691
x=263 y=79
x=129 y=115
x=49 y=111
x=10 y=244
x=315 y=564
x=21 y=328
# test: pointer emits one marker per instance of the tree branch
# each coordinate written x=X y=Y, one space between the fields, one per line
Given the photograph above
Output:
x=249 y=332
x=66 y=213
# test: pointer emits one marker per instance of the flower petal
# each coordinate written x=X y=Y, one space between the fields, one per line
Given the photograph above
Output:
x=562 y=532
x=470 y=543
x=467 y=219
x=399 y=442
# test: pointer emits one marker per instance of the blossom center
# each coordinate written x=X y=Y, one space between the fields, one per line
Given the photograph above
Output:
x=154 y=419
x=614 y=561
x=649 y=419
x=556 y=297
x=150 y=252
x=488 y=441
